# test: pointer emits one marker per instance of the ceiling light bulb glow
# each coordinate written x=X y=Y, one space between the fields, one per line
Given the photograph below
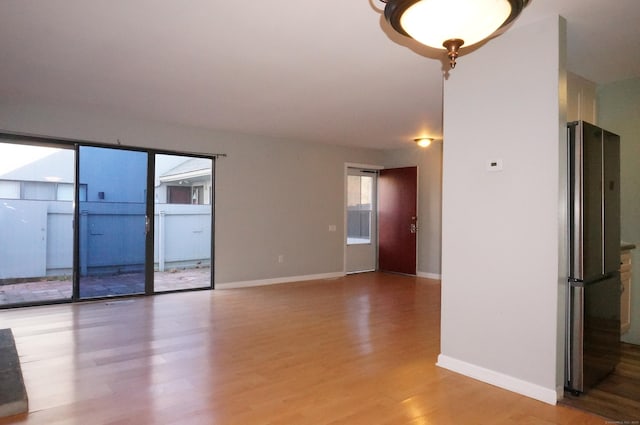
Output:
x=423 y=142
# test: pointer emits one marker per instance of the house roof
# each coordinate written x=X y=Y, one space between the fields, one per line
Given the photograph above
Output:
x=56 y=167
x=304 y=70
x=189 y=169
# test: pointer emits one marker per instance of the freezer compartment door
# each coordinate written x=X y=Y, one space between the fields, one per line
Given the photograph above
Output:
x=594 y=332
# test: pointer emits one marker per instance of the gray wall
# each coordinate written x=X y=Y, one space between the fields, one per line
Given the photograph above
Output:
x=273 y=197
x=278 y=198
x=619 y=111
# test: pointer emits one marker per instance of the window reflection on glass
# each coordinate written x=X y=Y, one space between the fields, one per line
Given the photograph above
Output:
x=359 y=209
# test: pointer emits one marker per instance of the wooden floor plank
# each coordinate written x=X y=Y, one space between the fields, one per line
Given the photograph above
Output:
x=356 y=350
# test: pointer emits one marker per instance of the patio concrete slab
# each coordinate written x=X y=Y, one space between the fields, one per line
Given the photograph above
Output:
x=103 y=286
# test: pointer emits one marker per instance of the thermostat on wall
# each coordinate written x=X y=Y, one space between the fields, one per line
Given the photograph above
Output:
x=494 y=165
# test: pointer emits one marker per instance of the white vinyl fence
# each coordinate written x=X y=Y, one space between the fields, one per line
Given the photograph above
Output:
x=36 y=237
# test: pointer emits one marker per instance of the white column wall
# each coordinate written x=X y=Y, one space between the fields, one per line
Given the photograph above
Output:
x=503 y=250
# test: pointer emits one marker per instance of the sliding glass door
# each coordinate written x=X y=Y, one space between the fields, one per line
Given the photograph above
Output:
x=84 y=222
x=36 y=223
x=183 y=203
x=113 y=225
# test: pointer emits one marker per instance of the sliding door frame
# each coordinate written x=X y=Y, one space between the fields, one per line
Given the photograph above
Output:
x=74 y=144
x=39 y=141
x=150 y=226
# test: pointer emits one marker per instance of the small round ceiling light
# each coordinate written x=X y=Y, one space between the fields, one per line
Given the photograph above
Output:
x=423 y=142
x=451 y=24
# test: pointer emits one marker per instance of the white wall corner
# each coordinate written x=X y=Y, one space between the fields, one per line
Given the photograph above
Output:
x=510 y=383
x=563 y=220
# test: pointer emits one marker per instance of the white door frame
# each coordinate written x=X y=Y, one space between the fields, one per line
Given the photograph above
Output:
x=348 y=165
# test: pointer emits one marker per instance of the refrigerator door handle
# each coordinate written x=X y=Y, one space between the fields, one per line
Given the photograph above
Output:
x=576 y=199
x=602 y=215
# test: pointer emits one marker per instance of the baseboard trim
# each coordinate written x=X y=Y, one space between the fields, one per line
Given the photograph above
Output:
x=426 y=275
x=278 y=280
x=499 y=379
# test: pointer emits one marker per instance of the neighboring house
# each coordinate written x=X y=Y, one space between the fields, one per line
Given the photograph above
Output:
x=189 y=182
x=47 y=179
x=180 y=180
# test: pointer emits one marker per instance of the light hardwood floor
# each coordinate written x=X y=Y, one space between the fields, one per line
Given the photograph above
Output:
x=355 y=350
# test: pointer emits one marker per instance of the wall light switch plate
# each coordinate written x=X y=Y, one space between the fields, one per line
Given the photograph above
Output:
x=494 y=165
x=332 y=227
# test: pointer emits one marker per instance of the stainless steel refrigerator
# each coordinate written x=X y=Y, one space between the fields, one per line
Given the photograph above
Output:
x=593 y=301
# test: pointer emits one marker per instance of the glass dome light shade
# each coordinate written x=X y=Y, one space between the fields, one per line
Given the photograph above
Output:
x=432 y=22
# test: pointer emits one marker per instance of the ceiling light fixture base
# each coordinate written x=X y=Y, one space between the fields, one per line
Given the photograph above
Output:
x=453 y=47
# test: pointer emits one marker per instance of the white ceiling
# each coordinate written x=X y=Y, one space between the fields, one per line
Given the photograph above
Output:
x=330 y=72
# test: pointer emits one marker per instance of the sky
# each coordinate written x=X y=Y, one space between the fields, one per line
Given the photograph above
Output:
x=13 y=156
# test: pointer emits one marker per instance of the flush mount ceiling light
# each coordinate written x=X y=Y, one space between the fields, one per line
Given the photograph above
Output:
x=451 y=23
x=423 y=142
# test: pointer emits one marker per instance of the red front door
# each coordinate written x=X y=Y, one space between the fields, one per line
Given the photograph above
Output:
x=397 y=219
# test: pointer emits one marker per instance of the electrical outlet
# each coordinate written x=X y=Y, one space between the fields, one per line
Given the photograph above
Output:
x=281 y=258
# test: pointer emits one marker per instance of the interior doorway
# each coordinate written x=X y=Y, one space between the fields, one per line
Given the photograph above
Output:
x=381 y=219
